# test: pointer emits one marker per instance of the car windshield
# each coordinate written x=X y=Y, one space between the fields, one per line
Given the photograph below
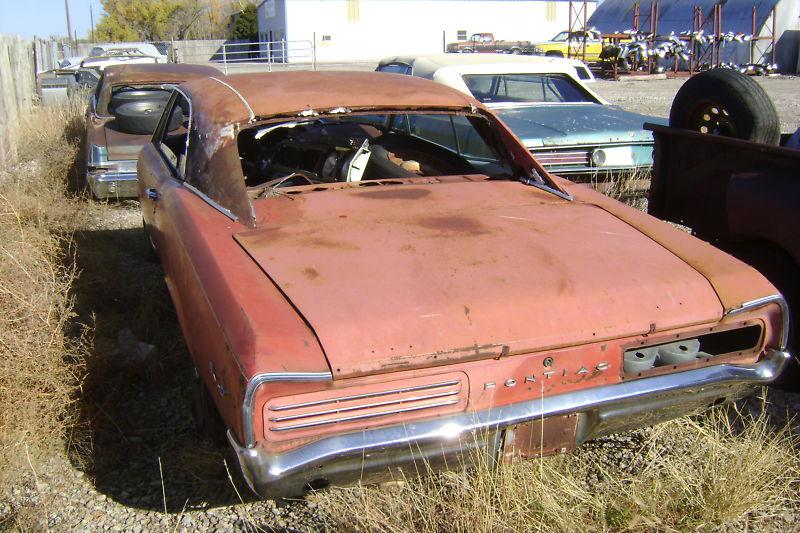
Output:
x=369 y=147
x=526 y=88
x=561 y=37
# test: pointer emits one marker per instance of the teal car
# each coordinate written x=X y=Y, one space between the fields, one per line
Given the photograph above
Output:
x=547 y=102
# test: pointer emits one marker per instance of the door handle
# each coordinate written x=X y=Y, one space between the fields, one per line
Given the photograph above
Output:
x=152 y=194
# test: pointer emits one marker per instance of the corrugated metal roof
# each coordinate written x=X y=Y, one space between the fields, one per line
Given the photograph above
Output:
x=677 y=15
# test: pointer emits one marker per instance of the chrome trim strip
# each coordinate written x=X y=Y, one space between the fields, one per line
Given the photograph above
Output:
x=237 y=93
x=364 y=416
x=350 y=408
x=103 y=177
x=761 y=302
x=277 y=472
x=365 y=395
x=270 y=377
x=225 y=211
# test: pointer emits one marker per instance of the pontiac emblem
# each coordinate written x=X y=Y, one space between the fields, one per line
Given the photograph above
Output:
x=531 y=378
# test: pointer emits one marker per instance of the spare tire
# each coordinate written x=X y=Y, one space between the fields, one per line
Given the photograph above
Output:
x=139 y=118
x=725 y=102
x=149 y=95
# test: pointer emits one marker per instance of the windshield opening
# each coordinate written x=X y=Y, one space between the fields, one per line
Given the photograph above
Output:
x=526 y=88
x=369 y=147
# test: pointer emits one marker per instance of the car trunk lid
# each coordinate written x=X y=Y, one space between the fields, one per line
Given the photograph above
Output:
x=403 y=276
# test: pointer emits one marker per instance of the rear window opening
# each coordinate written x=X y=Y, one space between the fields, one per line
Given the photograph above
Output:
x=526 y=88
x=356 y=148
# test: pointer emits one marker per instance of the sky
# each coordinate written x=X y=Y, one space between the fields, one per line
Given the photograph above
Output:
x=46 y=17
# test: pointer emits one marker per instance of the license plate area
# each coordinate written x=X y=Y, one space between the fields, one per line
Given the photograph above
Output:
x=541 y=437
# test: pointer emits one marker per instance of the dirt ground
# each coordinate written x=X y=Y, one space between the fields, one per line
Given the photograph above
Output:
x=654 y=97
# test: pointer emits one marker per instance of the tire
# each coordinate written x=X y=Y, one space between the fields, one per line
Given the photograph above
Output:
x=554 y=53
x=466 y=50
x=139 y=118
x=156 y=95
x=725 y=102
x=516 y=51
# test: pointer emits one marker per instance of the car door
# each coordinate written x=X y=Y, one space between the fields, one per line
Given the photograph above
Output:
x=162 y=170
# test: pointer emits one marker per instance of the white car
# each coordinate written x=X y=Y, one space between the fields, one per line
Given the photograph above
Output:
x=146 y=49
x=568 y=127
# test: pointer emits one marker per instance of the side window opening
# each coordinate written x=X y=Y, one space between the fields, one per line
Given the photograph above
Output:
x=172 y=135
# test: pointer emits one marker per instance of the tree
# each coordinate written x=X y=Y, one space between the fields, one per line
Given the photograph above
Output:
x=162 y=20
x=246 y=25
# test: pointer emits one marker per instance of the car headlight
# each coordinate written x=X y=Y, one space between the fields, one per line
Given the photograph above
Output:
x=615 y=156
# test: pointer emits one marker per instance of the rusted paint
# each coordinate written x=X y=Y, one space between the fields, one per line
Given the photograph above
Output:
x=529 y=292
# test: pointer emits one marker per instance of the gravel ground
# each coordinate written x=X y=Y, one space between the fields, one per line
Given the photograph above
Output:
x=140 y=465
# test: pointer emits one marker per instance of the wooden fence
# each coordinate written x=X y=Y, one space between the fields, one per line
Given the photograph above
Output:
x=17 y=89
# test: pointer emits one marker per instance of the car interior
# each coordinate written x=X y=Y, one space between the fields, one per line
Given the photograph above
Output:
x=367 y=147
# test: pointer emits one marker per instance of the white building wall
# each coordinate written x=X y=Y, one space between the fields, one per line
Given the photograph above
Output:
x=360 y=30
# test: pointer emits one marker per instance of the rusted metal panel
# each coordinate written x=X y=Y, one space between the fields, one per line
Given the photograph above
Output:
x=408 y=276
x=145 y=73
x=547 y=436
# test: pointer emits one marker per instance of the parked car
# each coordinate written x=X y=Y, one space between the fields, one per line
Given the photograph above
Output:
x=486 y=42
x=729 y=181
x=370 y=270
x=91 y=68
x=568 y=127
x=121 y=116
x=570 y=41
x=157 y=50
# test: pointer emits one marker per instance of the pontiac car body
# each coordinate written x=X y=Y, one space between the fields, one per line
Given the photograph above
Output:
x=111 y=152
x=568 y=127
x=371 y=271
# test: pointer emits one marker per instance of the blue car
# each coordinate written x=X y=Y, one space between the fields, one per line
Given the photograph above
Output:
x=547 y=102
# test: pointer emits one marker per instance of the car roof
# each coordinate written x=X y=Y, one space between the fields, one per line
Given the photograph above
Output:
x=247 y=97
x=448 y=69
x=426 y=66
x=156 y=72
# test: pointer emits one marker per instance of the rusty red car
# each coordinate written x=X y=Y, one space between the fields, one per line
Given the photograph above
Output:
x=371 y=271
x=122 y=113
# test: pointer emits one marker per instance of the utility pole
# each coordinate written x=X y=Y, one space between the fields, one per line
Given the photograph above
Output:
x=91 y=19
x=69 y=26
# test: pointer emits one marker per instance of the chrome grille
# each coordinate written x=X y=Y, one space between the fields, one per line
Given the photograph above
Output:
x=435 y=394
x=563 y=158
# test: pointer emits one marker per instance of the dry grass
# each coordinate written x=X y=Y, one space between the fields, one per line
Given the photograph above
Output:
x=686 y=475
x=630 y=187
x=41 y=362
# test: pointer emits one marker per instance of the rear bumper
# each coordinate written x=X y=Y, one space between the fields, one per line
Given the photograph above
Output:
x=441 y=443
x=109 y=184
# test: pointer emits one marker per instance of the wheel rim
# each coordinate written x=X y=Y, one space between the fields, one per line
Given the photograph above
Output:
x=713 y=119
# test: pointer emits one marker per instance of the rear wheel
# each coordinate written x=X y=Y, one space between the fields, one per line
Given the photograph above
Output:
x=466 y=50
x=516 y=51
x=728 y=103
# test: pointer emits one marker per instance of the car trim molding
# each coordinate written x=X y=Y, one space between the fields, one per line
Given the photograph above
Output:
x=237 y=93
x=270 y=377
x=761 y=302
x=279 y=473
x=224 y=210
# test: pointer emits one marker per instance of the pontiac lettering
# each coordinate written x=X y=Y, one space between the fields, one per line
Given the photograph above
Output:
x=531 y=378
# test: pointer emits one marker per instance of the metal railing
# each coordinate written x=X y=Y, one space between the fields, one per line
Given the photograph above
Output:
x=249 y=56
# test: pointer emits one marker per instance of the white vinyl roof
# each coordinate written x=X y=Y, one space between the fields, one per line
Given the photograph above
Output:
x=448 y=69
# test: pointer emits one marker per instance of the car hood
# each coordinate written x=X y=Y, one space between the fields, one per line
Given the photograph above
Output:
x=568 y=124
x=406 y=276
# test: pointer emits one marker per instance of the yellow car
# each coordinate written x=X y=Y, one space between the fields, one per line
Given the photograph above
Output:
x=559 y=46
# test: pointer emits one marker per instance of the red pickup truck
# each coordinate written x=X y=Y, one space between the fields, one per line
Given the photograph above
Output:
x=485 y=42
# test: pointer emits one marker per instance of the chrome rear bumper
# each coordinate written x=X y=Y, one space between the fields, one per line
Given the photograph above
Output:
x=110 y=185
x=441 y=443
